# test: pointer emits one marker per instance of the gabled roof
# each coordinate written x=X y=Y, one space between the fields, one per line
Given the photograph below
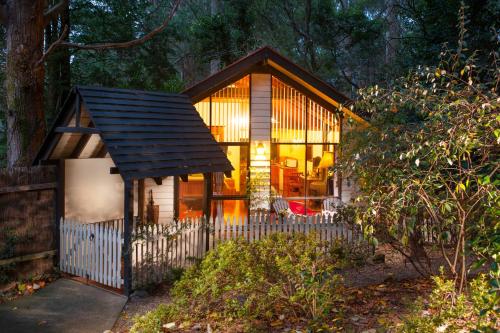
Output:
x=268 y=60
x=147 y=134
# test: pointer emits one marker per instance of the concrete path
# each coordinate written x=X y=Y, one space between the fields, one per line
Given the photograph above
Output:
x=63 y=306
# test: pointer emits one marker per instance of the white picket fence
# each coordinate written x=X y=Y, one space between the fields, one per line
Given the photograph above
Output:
x=92 y=250
x=159 y=248
x=156 y=249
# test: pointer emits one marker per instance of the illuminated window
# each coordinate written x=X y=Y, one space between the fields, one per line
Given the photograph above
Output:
x=229 y=117
x=302 y=154
x=288 y=114
x=191 y=196
x=227 y=114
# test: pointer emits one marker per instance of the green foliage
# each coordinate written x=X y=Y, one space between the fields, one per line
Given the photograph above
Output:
x=282 y=275
x=152 y=321
x=432 y=150
x=448 y=311
x=148 y=66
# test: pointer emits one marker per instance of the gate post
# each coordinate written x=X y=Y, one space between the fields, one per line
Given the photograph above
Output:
x=59 y=205
x=128 y=219
x=207 y=201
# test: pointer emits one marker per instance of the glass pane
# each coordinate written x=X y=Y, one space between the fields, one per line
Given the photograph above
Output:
x=191 y=196
x=237 y=184
x=322 y=125
x=288 y=115
x=203 y=109
x=288 y=169
x=230 y=112
x=320 y=168
x=230 y=209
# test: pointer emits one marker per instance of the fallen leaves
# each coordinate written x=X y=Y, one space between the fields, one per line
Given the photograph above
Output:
x=382 y=305
x=16 y=289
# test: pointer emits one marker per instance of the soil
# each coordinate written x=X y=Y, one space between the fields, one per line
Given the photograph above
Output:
x=140 y=303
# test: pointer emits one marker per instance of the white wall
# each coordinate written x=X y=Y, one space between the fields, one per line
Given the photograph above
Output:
x=260 y=131
x=260 y=104
x=163 y=195
x=91 y=193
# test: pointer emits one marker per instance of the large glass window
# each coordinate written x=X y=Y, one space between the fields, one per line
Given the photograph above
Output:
x=227 y=113
x=288 y=113
x=237 y=183
x=191 y=196
x=230 y=209
x=304 y=135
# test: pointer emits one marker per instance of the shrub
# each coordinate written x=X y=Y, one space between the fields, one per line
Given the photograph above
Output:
x=450 y=311
x=280 y=277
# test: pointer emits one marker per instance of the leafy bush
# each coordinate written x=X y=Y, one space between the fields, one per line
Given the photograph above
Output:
x=277 y=278
x=431 y=152
x=450 y=311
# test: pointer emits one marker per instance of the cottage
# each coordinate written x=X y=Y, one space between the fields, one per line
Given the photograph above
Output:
x=262 y=134
x=280 y=128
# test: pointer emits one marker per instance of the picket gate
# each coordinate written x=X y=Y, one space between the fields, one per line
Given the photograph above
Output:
x=92 y=250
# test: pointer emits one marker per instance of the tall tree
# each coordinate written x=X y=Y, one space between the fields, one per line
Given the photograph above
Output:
x=25 y=21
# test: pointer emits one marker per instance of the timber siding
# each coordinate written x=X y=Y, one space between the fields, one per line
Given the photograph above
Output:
x=260 y=104
x=163 y=195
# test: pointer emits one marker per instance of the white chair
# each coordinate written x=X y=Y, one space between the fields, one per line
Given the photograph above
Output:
x=281 y=206
x=331 y=205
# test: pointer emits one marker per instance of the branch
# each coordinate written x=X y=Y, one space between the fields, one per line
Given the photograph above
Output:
x=51 y=13
x=349 y=80
x=131 y=43
x=53 y=46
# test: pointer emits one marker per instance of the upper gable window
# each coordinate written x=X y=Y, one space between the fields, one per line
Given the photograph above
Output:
x=227 y=112
x=288 y=114
x=298 y=119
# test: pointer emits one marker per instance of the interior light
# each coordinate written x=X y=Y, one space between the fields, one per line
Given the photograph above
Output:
x=260 y=149
x=326 y=160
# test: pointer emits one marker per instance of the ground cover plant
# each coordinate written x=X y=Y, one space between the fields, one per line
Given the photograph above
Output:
x=257 y=286
x=447 y=311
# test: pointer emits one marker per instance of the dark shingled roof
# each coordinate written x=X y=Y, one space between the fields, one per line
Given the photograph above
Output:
x=148 y=134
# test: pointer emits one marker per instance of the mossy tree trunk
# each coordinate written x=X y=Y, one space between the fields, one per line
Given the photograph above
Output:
x=24 y=80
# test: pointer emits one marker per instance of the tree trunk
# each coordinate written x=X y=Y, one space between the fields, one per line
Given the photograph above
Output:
x=214 y=63
x=24 y=80
x=393 y=32
x=58 y=66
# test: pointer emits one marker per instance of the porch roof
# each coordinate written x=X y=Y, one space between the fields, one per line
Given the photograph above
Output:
x=147 y=134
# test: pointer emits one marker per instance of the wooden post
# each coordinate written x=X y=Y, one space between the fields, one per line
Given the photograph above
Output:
x=207 y=196
x=339 y=179
x=176 y=197
x=141 y=200
x=128 y=212
x=59 y=199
